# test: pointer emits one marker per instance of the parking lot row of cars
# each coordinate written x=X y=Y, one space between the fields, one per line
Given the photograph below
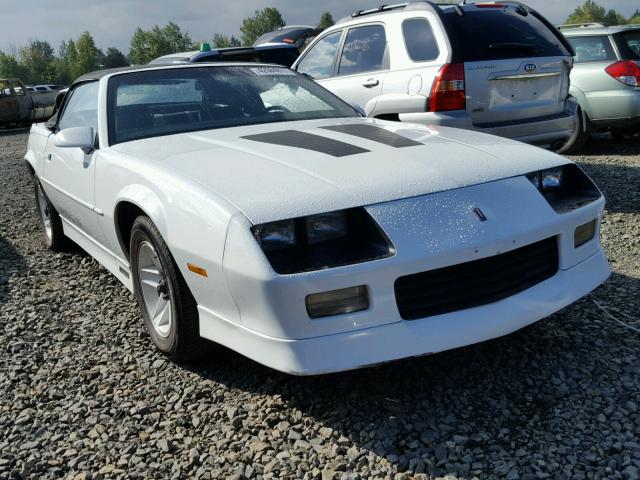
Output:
x=499 y=68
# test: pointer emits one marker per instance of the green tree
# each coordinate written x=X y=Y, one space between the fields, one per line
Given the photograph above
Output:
x=326 y=20
x=263 y=21
x=224 y=41
x=114 y=58
x=10 y=67
x=590 y=12
x=67 y=52
x=635 y=18
x=88 y=56
x=59 y=72
x=614 y=18
x=37 y=58
x=149 y=44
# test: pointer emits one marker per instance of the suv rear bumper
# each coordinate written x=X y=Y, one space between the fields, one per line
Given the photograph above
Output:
x=542 y=131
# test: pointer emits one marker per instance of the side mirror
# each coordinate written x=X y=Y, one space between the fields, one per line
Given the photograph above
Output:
x=76 y=137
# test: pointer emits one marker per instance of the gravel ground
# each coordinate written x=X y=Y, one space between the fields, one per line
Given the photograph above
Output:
x=84 y=395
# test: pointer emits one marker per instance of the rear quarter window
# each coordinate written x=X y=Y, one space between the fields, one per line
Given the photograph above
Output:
x=629 y=44
x=495 y=34
x=419 y=40
x=592 y=49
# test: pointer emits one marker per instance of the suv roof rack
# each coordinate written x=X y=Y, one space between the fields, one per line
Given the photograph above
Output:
x=381 y=8
x=413 y=4
x=581 y=25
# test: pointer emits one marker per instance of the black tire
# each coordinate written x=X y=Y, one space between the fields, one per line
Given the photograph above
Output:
x=580 y=136
x=183 y=341
x=52 y=230
x=625 y=135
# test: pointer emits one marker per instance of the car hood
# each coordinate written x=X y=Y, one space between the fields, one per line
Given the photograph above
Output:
x=283 y=170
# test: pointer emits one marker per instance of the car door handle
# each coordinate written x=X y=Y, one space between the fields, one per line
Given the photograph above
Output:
x=372 y=82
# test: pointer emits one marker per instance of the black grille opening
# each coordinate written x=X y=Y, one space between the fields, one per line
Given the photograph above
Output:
x=476 y=283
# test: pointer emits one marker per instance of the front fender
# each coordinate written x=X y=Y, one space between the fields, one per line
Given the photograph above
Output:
x=36 y=148
x=30 y=158
x=147 y=200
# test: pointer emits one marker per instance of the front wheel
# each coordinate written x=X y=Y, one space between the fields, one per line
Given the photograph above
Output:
x=50 y=221
x=580 y=136
x=169 y=310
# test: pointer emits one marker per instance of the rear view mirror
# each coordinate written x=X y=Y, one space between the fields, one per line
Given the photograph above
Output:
x=76 y=137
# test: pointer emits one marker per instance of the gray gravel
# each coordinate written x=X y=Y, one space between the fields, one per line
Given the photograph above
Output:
x=84 y=395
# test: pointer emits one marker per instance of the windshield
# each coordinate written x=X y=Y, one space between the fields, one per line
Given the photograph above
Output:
x=152 y=103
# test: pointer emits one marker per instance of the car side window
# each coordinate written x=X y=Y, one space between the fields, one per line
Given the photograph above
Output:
x=318 y=61
x=592 y=49
x=81 y=109
x=18 y=89
x=419 y=40
x=365 y=50
x=5 y=89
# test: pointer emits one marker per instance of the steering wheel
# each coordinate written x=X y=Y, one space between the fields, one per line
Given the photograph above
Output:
x=278 y=108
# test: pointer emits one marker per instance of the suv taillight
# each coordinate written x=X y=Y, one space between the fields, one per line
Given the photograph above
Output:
x=448 y=91
x=627 y=72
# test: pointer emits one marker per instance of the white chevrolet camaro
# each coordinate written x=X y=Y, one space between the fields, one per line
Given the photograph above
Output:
x=246 y=205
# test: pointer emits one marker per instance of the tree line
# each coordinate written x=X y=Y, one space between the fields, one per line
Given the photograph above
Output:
x=37 y=62
x=591 y=12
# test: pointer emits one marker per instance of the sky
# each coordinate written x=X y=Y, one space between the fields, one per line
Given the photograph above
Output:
x=112 y=22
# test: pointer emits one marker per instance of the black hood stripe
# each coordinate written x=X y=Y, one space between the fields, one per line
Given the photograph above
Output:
x=308 y=141
x=376 y=134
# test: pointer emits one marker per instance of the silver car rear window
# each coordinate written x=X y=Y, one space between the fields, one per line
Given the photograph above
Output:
x=595 y=48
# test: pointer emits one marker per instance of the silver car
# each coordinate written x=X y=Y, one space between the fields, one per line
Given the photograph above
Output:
x=605 y=80
x=498 y=68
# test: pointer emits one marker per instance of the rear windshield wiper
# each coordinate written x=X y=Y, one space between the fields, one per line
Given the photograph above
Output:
x=513 y=46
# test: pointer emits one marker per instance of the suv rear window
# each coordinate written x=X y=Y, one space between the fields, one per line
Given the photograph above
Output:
x=592 y=49
x=495 y=34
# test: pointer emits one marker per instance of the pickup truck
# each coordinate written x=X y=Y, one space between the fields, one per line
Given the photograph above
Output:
x=19 y=106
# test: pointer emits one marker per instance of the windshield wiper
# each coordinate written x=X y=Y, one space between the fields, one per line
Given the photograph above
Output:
x=513 y=46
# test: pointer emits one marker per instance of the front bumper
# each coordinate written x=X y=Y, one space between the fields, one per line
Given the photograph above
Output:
x=428 y=232
x=370 y=346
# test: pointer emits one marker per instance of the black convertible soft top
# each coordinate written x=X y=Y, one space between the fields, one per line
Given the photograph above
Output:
x=98 y=74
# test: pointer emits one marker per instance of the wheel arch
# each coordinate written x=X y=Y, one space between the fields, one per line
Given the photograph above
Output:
x=134 y=201
x=30 y=161
x=30 y=168
x=583 y=101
